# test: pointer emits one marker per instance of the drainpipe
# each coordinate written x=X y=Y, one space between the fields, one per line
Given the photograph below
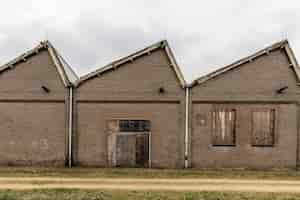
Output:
x=186 y=138
x=70 y=125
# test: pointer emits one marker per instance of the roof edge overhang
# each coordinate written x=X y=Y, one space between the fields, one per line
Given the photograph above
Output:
x=58 y=65
x=117 y=63
x=284 y=44
x=55 y=58
x=70 y=77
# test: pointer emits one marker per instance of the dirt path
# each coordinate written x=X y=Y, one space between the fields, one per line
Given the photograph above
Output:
x=152 y=184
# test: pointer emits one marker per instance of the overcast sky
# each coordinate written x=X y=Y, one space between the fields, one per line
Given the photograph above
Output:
x=204 y=35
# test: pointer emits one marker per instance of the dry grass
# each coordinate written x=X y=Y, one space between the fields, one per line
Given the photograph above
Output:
x=288 y=174
x=71 y=194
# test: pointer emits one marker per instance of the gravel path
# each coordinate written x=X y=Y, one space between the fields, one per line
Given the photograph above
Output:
x=152 y=184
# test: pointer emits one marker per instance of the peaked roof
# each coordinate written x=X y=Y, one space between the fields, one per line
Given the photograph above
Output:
x=66 y=73
x=159 y=45
x=284 y=44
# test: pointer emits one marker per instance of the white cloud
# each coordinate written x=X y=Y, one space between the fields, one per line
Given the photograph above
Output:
x=205 y=35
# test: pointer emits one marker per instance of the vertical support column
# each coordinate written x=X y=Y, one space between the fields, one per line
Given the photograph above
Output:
x=70 y=125
x=150 y=150
x=186 y=138
x=298 y=137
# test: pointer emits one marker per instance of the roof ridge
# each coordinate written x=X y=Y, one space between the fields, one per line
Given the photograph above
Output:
x=240 y=62
x=44 y=44
x=161 y=44
x=116 y=60
x=23 y=56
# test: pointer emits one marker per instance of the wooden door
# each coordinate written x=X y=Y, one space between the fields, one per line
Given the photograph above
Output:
x=142 y=150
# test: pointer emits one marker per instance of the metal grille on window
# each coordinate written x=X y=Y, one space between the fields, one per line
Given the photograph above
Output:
x=224 y=127
x=134 y=125
x=263 y=126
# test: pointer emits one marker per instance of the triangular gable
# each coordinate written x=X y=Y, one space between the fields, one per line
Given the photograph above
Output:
x=67 y=75
x=162 y=44
x=280 y=45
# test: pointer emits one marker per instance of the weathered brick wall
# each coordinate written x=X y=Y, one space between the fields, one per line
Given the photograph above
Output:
x=166 y=137
x=132 y=92
x=24 y=81
x=32 y=133
x=282 y=154
x=253 y=83
x=33 y=122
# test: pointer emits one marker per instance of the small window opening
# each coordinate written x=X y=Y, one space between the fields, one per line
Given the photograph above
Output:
x=224 y=122
x=263 y=127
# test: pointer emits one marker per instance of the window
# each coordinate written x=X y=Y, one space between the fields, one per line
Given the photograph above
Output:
x=134 y=125
x=224 y=127
x=263 y=126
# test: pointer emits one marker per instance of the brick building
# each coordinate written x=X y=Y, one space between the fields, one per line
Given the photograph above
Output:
x=131 y=113
x=138 y=111
x=246 y=114
x=34 y=100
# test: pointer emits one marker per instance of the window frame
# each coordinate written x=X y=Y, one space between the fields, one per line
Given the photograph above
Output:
x=145 y=127
x=214 y=141
x=273 y=123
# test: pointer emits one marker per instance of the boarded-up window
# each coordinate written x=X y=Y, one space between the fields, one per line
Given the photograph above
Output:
x=134 y=125
x=263 y=127
x=224 y=127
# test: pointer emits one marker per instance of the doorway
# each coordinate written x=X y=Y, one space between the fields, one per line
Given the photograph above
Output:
x=129 y=144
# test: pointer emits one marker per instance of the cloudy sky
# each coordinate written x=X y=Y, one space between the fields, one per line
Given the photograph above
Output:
x=204 y=35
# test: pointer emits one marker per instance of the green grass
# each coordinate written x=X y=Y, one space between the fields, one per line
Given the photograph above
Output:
x=148 y=173
x=71 y=194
